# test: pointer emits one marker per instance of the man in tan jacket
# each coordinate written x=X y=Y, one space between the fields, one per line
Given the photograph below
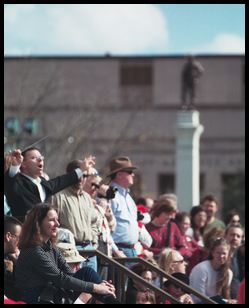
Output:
x=77 y=213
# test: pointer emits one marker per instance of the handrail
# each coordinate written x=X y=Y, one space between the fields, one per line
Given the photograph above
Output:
x=178 y=282
x=146 y=283
x=130 y=274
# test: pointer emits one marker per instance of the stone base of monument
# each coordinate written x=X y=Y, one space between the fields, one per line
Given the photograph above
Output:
x=188 y=132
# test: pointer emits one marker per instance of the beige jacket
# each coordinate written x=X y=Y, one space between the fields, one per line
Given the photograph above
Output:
x=78 y=214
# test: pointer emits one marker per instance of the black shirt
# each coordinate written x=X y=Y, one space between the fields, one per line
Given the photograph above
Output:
x=36 y=266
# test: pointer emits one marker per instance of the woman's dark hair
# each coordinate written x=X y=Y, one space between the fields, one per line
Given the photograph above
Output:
x=31 y=230
x=222 y=283
x=180 y=216
x=197 y=232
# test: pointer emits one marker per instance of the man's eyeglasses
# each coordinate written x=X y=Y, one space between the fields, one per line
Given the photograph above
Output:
x=40 y=158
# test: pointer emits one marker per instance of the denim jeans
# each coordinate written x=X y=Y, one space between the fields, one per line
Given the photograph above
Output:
x=89 y=262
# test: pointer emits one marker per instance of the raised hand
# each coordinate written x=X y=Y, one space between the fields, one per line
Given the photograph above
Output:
x=16 y=157
x=87 y=163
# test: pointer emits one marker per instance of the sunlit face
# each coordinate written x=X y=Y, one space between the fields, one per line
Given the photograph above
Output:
x=210 y=207
x=147 y=275
x=33 y=164
x=178 y=263
x=234 y=237
x=142 y=298
x=185 y=224
x=13 y=239
x=74 y=266
x=235 y=219
x=220 y=255
x=200 y=219
x=125 y=178
x=165 y=217
x=50 y=224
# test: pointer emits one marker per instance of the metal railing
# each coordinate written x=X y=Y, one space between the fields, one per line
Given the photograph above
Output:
x=124 y=271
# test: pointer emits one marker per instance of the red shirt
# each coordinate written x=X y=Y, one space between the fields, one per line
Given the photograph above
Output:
x=160 y=234
x=10 y=301
x=241 y=293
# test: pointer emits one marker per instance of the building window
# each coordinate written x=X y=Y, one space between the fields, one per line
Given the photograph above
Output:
x=13 y=126
x=31 y=126
x=166 y=183
x=136 y=75
x=136 y=81
x=233 y=193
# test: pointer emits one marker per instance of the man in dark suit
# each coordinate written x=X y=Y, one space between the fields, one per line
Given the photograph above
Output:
x=28 y=187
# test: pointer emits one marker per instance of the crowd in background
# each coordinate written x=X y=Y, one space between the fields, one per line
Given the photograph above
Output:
x=48 y=221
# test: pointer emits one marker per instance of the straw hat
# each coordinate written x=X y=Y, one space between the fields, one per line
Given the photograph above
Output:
x=70 y=253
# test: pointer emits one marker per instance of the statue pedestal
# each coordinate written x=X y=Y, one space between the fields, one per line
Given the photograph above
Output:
x=189 y=131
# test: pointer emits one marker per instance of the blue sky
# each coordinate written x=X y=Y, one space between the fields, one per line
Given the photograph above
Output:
x=124 y=29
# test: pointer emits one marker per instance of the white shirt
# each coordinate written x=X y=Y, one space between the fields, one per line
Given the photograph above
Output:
x=203 y=279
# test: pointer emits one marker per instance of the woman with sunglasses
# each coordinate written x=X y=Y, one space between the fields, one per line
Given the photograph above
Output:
x=171 y=261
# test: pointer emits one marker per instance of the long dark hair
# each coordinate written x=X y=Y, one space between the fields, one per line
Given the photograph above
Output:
x=197 y=232
x=222 y=283
x=31 y=234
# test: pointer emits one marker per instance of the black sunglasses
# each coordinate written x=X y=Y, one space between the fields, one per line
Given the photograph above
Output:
x=129 y=171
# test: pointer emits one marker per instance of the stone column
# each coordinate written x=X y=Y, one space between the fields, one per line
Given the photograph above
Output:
x=187 y=159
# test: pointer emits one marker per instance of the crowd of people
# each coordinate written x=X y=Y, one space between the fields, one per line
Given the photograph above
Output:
x=49 y=221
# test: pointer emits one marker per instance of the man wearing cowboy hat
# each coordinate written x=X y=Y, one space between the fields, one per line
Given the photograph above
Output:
x=124 y=208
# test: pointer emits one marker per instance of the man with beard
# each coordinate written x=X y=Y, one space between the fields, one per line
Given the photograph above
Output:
x=210 y=205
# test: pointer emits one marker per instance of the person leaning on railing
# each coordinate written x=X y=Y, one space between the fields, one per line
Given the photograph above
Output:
x=40 y=262
x=213 y=276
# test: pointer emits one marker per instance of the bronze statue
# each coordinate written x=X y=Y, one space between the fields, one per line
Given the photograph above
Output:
x=191 y=74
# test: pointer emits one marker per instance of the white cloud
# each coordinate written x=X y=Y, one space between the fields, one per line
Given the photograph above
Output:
x=225 y=43
x=91 y=28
